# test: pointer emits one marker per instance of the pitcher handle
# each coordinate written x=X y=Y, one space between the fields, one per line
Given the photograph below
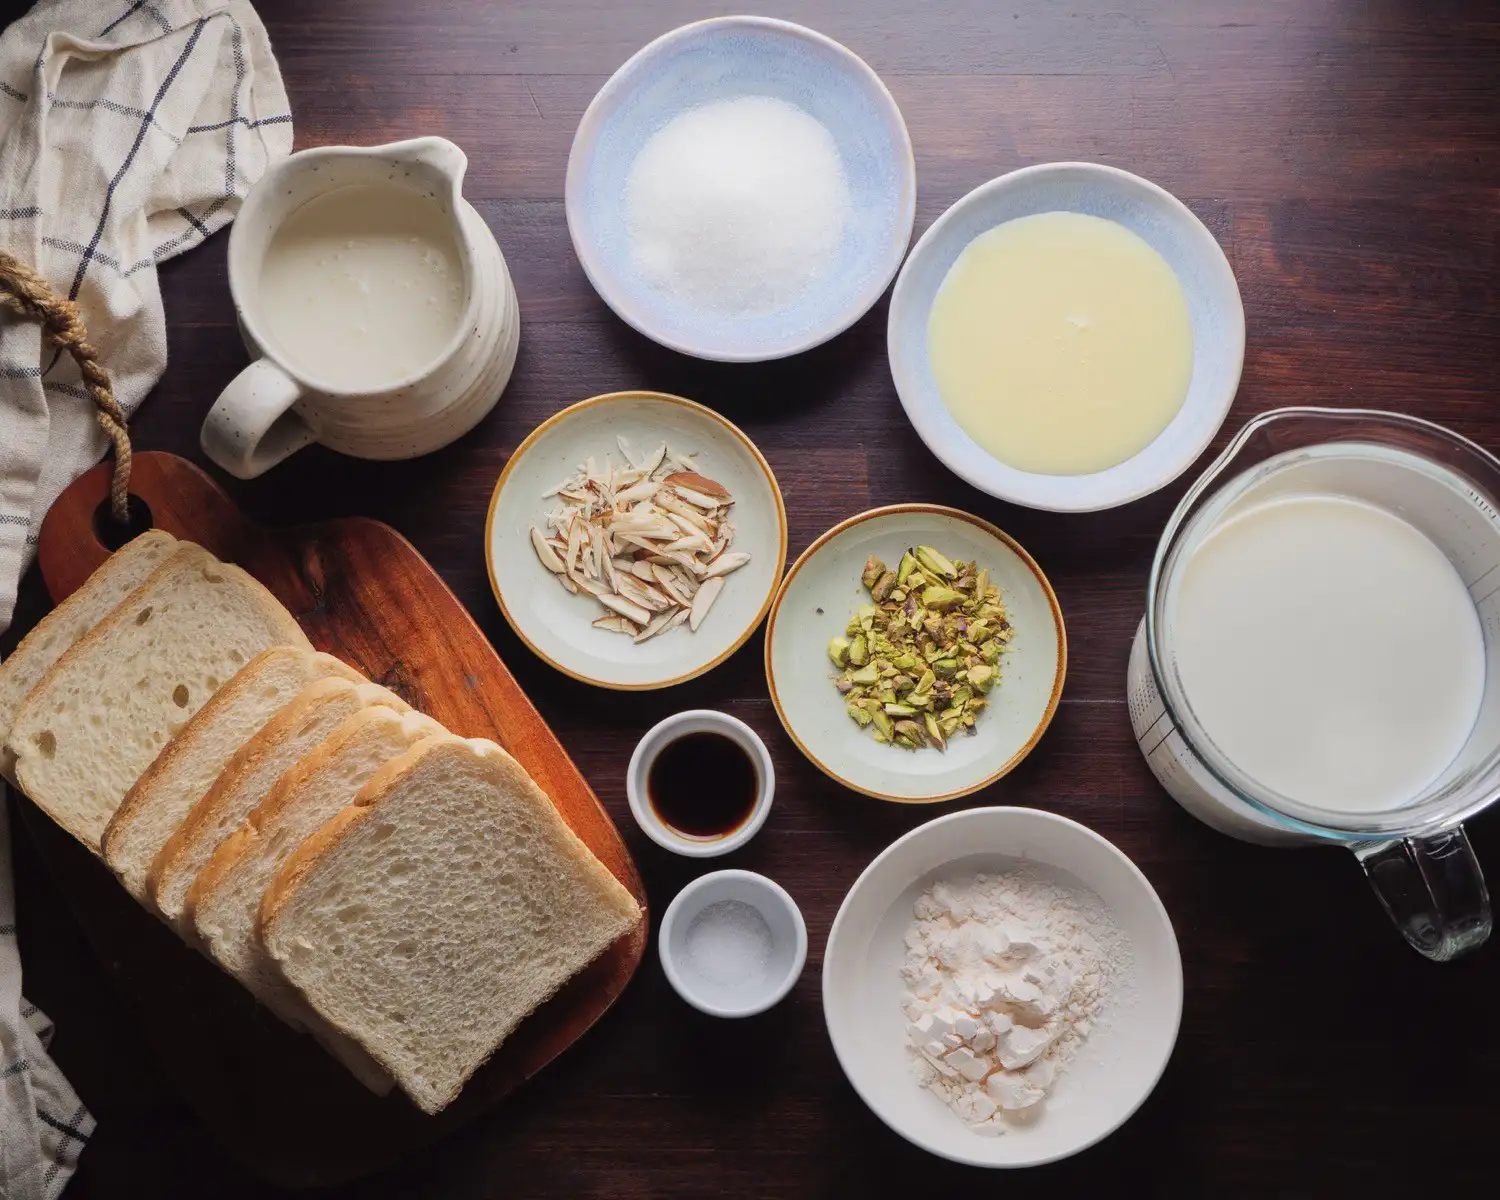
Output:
x=253 y=424
x=1433 y=890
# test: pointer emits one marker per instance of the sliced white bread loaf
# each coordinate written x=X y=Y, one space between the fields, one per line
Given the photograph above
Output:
x=248 y=778
x=121 y=573
x=182 y=773
x=224 y=901
x=105 y=709
x=432 y=915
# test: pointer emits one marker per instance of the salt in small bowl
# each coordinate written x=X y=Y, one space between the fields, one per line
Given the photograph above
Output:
x=702 y=964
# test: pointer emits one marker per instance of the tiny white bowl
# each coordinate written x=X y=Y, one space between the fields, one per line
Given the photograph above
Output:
x=1115 y=1069
x=698 y=720
x=788 y=943
x=558 y=627
x=1171 y=229
x=823 y=589
x=720 y=59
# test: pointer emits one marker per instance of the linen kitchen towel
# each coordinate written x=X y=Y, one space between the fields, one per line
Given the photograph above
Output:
x=129 y=131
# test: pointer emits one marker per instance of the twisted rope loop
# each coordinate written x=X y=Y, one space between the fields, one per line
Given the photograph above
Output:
x=25 y=294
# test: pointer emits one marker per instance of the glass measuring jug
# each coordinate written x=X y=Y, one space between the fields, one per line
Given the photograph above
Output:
x=1415 y=854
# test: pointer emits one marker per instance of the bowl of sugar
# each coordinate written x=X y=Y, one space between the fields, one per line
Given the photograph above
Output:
x=742 y=189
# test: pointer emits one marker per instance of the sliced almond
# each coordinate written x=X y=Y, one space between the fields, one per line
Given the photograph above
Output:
x=575 y=542
x=672 y=584
x=568 y=583
x=625 y=449
x=688 y=541
x=637 y=492
x=596 y=539
x=644 y=595
x=698 y=483
x=726 y=563
x=610 y=575
x=657 y=624
x=626 y=608
x=642 y=570
x=669 y=500
x=653 y=460
x=592 y=586
x=678 y=618
x=615 y=625
x=704 y=600
x=545 y=552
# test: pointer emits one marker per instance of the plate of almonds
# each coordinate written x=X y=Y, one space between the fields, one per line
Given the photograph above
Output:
x=635 y=540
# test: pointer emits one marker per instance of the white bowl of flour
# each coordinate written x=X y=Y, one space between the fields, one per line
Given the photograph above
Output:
x=741 y=189
x=1002 y=987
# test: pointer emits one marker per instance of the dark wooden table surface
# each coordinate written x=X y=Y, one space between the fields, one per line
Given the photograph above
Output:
x=1347 y=156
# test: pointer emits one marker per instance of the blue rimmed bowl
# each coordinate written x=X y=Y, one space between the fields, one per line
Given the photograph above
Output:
x=721 y=59
x=1169 y=227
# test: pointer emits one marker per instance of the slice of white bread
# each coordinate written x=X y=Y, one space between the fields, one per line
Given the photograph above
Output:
x=433 y=914
x=121 y=573
x=224 y=901
x=182 y=773
x=248 y=778
x=105 y=709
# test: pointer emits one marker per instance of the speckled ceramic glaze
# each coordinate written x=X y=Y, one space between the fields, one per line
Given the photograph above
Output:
x=272 y=409
x=718 y=60
x=1167 y=225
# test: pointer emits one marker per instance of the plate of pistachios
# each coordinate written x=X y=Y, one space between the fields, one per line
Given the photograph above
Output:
x=635 y=539
x=915 y=653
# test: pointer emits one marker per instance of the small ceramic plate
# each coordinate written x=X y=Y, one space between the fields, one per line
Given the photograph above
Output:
x=1170 y=228
x=1115 y=1069
x=722 y=59
x=822 y=591
x=558 y=626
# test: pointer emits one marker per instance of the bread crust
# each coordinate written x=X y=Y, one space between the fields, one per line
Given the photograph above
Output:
x=309 y=856
x=139 y=797
x=188 y=554
x=27 y=646
x=244 y=839
x=176 y=857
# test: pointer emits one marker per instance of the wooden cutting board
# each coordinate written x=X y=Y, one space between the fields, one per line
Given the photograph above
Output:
x=362 y=592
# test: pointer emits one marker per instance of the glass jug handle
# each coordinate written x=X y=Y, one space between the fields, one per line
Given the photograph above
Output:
x=1433 y=890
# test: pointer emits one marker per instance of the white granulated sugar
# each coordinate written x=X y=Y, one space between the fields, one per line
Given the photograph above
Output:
x=737 y=206
x=729 y=944
x=1006 y=976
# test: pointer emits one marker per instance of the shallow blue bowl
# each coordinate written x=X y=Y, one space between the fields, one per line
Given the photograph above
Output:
x=719 y=60
x=1171 y=229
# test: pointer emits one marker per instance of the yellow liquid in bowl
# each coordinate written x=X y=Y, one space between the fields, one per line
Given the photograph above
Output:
x=1061 y=343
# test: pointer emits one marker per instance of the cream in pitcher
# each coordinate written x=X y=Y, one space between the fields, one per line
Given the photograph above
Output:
x=363 y=286
x=377 y=303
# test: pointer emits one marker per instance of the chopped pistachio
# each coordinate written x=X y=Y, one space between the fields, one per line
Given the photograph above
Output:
x=935 y=562
x=941 y=598
x=915 y=665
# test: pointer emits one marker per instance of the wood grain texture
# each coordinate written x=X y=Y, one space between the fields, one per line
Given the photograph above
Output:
x=362 y=593
x=1347 y=156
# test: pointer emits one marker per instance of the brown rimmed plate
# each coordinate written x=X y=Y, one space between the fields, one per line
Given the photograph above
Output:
x=558 y=626
x=822 y=591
